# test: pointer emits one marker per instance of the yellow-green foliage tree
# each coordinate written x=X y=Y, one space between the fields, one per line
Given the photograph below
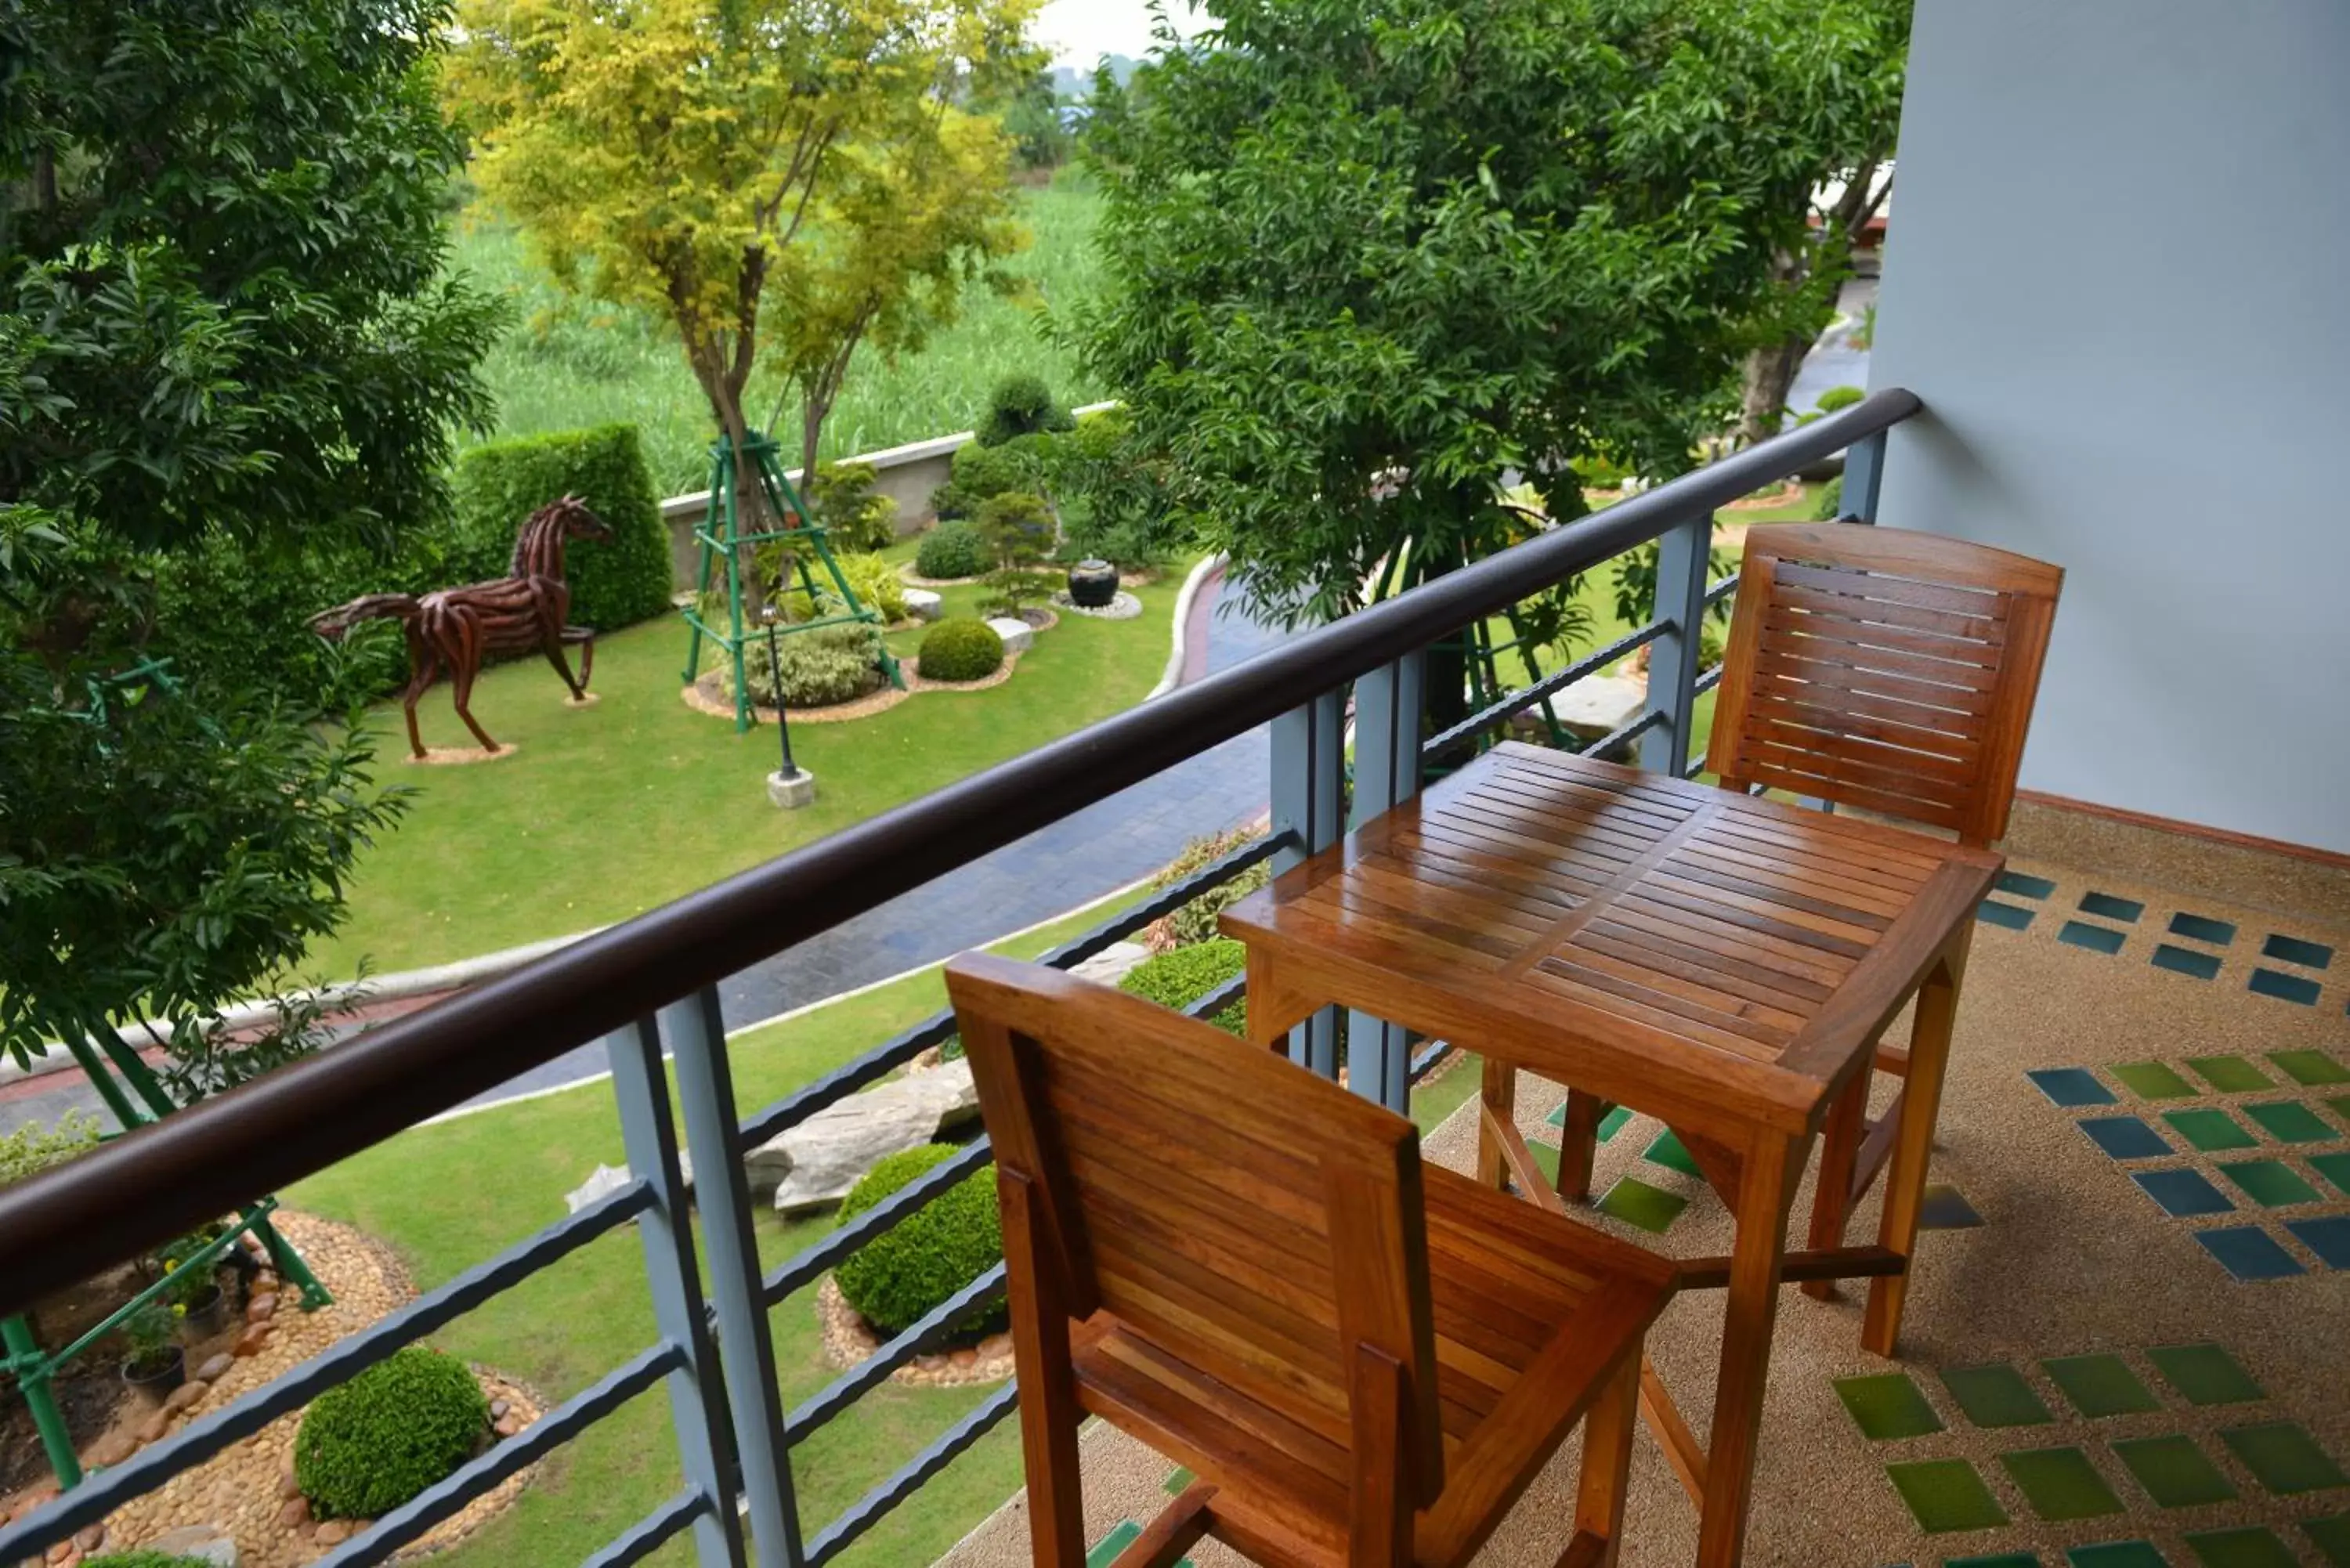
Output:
x=710 y=160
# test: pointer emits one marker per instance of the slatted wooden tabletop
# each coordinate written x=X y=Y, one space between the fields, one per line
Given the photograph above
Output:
x=1707 y=957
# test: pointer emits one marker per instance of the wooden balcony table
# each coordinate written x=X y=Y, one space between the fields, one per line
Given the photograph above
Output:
x=1722 y=963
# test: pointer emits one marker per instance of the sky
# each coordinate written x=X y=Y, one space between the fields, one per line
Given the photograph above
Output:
x=1079 y=32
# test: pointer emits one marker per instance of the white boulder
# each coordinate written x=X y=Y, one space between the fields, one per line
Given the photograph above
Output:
x=815 y=1163
x=923 y=604
x=1018 y=635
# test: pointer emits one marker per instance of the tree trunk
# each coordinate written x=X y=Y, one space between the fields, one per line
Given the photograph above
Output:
x=1770 y=375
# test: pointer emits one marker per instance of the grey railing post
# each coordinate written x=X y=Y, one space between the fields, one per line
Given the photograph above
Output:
x=1683 y=555
x=641 y=1087
x=1386 y=774
x=746 y=1350
x=1308 y=777
x=1864 y=477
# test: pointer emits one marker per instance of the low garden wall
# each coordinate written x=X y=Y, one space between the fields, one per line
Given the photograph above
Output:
x=906 y=474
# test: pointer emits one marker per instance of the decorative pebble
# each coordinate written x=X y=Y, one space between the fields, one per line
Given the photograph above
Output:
x=251 y=1340
x=498 y=1408
x=152 y=1428
x=90 y=1537
x=110 y=1450
x=215 y=1368
x=260 y=1309
x=334 y=1532
x=507 y=1426
x=186 y=1396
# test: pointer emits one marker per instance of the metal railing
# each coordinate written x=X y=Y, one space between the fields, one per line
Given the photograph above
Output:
x=651 y=984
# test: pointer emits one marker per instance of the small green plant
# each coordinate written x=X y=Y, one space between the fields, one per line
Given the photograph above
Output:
x=951 y=550
x=1196 y=921
x=814 y=668
x=188 y=1283
x=1830 y=505
x=1179 y=978
x=900 y=1275
x=149 y=1330
x=33 y=1147
x=1864 y=337
x=378 y=1441
x=1021 y=406
x=1836 y=397
x=875 y=583
x=1020 y=531
x=961 y=648
x=842 y=499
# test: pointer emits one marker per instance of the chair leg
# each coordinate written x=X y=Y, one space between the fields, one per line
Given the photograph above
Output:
x=1904 y=1183
x=1578 y=1143
x=1049 y=1414
x=1846 y=1125
x=1607 y=1469
x=1500 y=1092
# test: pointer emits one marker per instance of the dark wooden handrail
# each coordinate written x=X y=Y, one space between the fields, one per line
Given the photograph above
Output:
x=140 y=1190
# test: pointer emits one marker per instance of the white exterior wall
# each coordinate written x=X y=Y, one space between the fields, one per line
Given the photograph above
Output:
x=2118 y=274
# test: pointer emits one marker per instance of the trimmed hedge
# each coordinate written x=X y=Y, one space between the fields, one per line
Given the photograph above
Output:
x=951 y=550
x=612 y=584
x=900 y=1275
x=1177 y=979
x=960 y=650
x=1019 y=406
x=1830 y=505
x=819 y=668
x=378 y=1441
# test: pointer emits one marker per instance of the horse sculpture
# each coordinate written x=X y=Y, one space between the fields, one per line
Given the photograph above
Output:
x=459 y=628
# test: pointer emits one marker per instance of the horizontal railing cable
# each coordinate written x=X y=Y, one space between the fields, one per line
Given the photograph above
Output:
x=651 y=1533
x=806 y=1266
x=852 y=1385
x=139 y=1190
x=942 y=1451
x=1525 y=697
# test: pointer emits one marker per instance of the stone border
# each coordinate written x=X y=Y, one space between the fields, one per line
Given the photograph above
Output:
x=704 y=695
x=459 y=756
x=1170 y=674
x=1123 y=605
x=850 y=1341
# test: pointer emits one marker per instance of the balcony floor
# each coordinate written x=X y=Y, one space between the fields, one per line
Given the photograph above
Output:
x=2053 y=1250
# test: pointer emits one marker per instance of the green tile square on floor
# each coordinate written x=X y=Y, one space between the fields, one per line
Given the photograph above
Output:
x=1636 y=1202
x=2283 y=1457
x=2334 y=1168
x=2340 y=1105
x=2210 y=1131
x=2270 y=1183
x=1995 y=1395
x=1669 y=1152
x=2293 y=950
x=2256 y=1547
x=2100 y=1384
x=2174 y=1471
x=2229 y=1075
x=2106 y=907
x=2117 y=1555
x=1998 y=912
x=1106 y=1548
x=2313 y=1068
x=1609 y=1125
x=1886 y=1406
x=2202 y=929
x=2205 y=1374
x=1946 y=1495
x=2061 y=1484
x=1178 y=1479
x=2333 y=1538
x=2289 y=1121
x=1545 y=1161
x=2186 y=960
x=1944 y=1208
x=2284 y=987
x=2025 y=884
x=2154 y=1081
x=2096 y=938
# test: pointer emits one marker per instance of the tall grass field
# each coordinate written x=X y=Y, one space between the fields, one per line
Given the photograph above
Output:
x=568 y=362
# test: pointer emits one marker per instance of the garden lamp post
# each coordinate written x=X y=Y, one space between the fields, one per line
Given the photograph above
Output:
x=789 y=786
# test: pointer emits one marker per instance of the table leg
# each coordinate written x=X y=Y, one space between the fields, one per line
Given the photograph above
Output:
x=1273 y=1006
x=1773 y=1167
x=1921 y=1103
x=1847 y=1123
x=1578 y=1140
x=1500 y=1094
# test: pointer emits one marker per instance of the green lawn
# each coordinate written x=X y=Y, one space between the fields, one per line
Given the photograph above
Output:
x=607 y=810
x=567 y=362
x=449 y=1196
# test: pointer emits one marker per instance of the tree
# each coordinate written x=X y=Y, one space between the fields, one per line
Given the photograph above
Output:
x=222 y=317
x=1362 y=259
x=680 y=155
x=1845 y=94
x=905 y=227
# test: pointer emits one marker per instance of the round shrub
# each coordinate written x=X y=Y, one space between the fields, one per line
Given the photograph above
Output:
x=1177 y=979
x=1830 y=505
x=941 y=1247
x=951 y=550
x=960 y=650
x=1836 y=397
x=814 y=668
x=388 y=1433
x=1021 y=405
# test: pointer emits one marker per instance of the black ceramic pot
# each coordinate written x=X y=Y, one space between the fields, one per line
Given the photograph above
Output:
x=1092 y=584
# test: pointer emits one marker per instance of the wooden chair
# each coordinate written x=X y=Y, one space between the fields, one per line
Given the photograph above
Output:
x=1882 y=669
x=1363 y=1360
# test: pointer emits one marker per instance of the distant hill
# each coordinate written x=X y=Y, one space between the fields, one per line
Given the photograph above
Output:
x=1070 y=82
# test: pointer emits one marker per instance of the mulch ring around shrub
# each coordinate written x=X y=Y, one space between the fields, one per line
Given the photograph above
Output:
x=708 y=695
x=848 y=1340
x=248 y=1491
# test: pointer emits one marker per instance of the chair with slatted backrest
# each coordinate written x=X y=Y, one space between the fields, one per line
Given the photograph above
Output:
x=1363 y=1360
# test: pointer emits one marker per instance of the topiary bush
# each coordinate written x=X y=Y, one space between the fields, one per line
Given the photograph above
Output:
x=818 y=668
x=1830 y=505
x=378 y=1441
x=613 y=584
x=961 y=648
x=1021 y=406
x=1179 y=978
x=894 y=1279
x=842 y=497
x=1836 y=397
x=951 y=550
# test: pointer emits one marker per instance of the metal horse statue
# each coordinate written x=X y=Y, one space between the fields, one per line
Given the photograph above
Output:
x=460 y=627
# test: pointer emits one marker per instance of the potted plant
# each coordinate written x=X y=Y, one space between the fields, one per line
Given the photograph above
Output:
x=1092 y=584
x=156 y=1364
x=192 y=1285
